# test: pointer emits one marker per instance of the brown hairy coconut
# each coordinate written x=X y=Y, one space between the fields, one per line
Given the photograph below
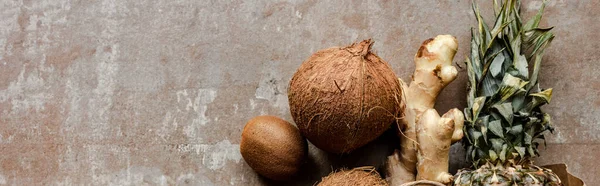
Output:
x=273 y=147
x=361 y=176
x=342 y=98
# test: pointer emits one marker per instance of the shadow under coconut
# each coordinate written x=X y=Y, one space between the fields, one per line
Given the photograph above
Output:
x=373 y=154
x=320 y=163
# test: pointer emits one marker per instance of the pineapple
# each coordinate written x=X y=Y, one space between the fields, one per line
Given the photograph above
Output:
x=504 y=123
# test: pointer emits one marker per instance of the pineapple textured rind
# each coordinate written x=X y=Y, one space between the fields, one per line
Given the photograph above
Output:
x=507 y=175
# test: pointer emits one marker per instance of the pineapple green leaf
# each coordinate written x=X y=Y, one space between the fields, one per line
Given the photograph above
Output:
x=484 y=33
x=521 y=114
x=520 y=64
x=535 y=21
x=538 y=99
x=493 y=155
x=517 y=129
x=475 y=60
x=506 y=110
x=500 y=20
x=521 y=151
x=473 y=154
x=518 y=101
x=532 y=122
x=507 y=129
x=496 y=128
x=482 y=122
x=542 y=41
x=503 y=152
x=510 y=85
x=545 y=95
x=495 y=51
x=495 y=116
x=515 y=26
x=472 y=88
x=537 y=64
x=469 y=152
x=547 y=120
x=497 y=9
x=517 y=140
x=497 y=144
x=489 y=86
x=476 y=135
x=532 y=152
x=496 y=65
x=515 y=46
x=528 y=139
x=477 y=106
x=497 y=33
x=468 y=116
x=499 y=25
x=536 y=39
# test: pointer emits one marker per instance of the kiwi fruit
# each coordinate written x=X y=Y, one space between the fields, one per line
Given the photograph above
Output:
x=273 y=147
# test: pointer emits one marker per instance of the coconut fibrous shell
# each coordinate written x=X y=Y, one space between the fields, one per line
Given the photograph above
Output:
x=362 y=176
x=342 y=98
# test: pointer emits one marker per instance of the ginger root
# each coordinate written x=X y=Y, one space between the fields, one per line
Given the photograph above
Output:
x=425 y=136
x=433 y=157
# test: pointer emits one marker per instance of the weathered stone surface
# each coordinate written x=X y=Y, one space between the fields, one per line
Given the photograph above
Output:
x=146 y=92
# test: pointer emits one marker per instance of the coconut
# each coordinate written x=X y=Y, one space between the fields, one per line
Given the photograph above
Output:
x=362 y=176
x=342 y=98
x=273 y=147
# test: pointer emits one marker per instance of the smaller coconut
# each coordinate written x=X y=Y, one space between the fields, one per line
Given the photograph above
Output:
x=273 y=147
x=361 y=176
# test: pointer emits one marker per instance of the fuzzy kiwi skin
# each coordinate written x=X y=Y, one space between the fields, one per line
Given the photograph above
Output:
x=273 y=147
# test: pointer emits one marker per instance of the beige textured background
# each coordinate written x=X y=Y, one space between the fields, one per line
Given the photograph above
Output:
x=111 y=92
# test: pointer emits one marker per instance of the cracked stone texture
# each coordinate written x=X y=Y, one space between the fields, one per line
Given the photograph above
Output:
x=110 y=92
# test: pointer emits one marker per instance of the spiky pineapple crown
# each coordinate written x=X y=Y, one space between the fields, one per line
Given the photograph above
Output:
x=504 y=122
